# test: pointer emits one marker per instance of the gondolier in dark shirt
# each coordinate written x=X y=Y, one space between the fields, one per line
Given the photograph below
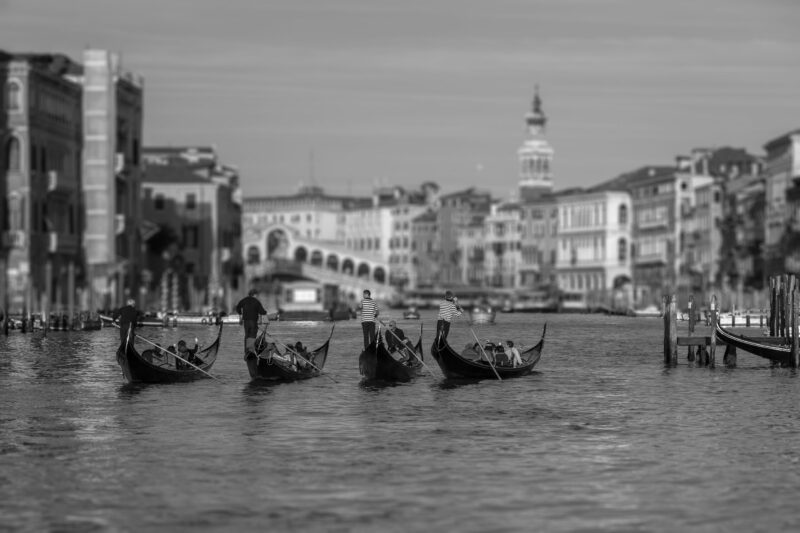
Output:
x=447 y=310
x=250 y=309
x=369 y=311
x=126 y=316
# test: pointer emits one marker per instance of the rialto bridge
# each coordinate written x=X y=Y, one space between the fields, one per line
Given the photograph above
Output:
x=279 y=250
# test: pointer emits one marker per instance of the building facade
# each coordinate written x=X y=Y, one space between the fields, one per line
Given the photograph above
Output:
x=193 y=207
x=593 y=258
x=113 y=108
x=781 y=169
x=41 y=176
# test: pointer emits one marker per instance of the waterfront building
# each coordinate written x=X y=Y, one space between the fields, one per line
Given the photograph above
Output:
x=539 y=243
x=593 y=259
x=425 y=250
x=708 y=234
x=192 y=207
x=40 y=136
x=472 y=246
x=112 y=107
x=383 y=230
x=782 y=201
x=502 y=248
x=456 y=212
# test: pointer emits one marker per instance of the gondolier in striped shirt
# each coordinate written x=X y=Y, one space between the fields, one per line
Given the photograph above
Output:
x=447 y=310
x=369 y=311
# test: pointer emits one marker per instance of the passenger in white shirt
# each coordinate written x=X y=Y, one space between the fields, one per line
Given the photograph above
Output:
x=516 y=358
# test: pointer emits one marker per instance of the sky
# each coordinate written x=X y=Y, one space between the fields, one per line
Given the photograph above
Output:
x=347 y=94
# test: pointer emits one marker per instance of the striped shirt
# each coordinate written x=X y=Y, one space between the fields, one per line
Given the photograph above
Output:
x=369 y=310
x=447 y=310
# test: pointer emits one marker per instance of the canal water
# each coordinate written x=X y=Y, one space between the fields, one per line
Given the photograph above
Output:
x=600 y=438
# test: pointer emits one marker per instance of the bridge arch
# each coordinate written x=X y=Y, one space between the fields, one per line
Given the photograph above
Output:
x=379 y=275
x=348 y=266
x=332 y=262
x=301 y=254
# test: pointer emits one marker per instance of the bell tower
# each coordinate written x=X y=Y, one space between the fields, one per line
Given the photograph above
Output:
x=535 y=155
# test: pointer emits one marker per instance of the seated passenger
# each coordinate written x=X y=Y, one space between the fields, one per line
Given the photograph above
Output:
x=516 y=358
x=302 y=353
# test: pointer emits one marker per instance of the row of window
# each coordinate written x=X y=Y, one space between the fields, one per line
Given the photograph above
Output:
x=190 y=202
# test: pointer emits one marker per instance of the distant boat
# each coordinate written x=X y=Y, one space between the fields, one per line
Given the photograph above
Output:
x=302 y=301
x=411 y=314
x=482 y=314
x=651 y=311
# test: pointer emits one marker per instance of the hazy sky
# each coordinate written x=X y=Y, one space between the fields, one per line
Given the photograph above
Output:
x=405 y=91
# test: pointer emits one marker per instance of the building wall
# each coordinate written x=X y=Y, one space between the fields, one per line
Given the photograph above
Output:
x=539 y=243
x=594 y=243
x=502 y=250
x=112 y=110
x=41 y=147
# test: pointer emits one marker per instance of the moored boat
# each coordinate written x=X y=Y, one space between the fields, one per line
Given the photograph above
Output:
x=377 y=363
x=456 y=366
x=772 y=348
x=150 y=367
x=270 y=364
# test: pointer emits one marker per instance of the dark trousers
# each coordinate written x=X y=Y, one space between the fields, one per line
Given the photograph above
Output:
x=442 y=329
x=123 y=333
x=250 y=329
x=369 y=333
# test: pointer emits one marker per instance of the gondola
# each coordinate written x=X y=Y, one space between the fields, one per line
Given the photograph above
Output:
x=456 y=366
x=780 y=353
x=148 y=367
x=376 y=363
x=263 y=367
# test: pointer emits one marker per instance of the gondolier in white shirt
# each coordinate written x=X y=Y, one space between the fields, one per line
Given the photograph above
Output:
x=369 y=311
x=447 y=310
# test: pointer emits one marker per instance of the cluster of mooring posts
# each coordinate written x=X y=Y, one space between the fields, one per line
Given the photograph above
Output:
x=782 y=322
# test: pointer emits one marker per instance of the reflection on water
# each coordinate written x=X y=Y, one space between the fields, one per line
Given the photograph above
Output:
x=601 y=437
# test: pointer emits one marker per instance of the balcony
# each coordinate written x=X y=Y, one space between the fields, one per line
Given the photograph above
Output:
x=651 y=258
x=61 y=243
x=14 y=239
x=653 y=223
x=56 y=184
x=119 y=224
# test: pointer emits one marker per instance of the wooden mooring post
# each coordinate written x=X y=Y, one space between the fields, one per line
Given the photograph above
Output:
x=670 y=331
x=714 y=317
x=795 y=334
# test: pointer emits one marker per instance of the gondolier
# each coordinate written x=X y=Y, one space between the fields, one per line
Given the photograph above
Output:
x=369 y=312
x=250 y=309
x=447 y=310
x=126 y=316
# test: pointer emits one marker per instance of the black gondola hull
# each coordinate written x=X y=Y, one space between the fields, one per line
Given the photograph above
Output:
x=262 y=368
x=456 y=366
x=137 y=369
x=377 y=364
x=777 y=353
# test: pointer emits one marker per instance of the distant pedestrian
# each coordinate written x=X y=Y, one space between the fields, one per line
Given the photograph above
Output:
x=369 y=312
x=447 y=310
x=126 y=316
x=250 y=309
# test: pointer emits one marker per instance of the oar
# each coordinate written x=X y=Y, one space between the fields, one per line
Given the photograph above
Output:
x=312 y=365
x=161 y=348
x=404 y=346
x=483 y=352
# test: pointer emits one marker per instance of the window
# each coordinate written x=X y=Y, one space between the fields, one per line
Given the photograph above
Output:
x=623 y=214
x=34 y=158
x=190 y=268
x=13 y=161
x=158 y=202
x=13 y=96
x=622 y=252
x=191 y=202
